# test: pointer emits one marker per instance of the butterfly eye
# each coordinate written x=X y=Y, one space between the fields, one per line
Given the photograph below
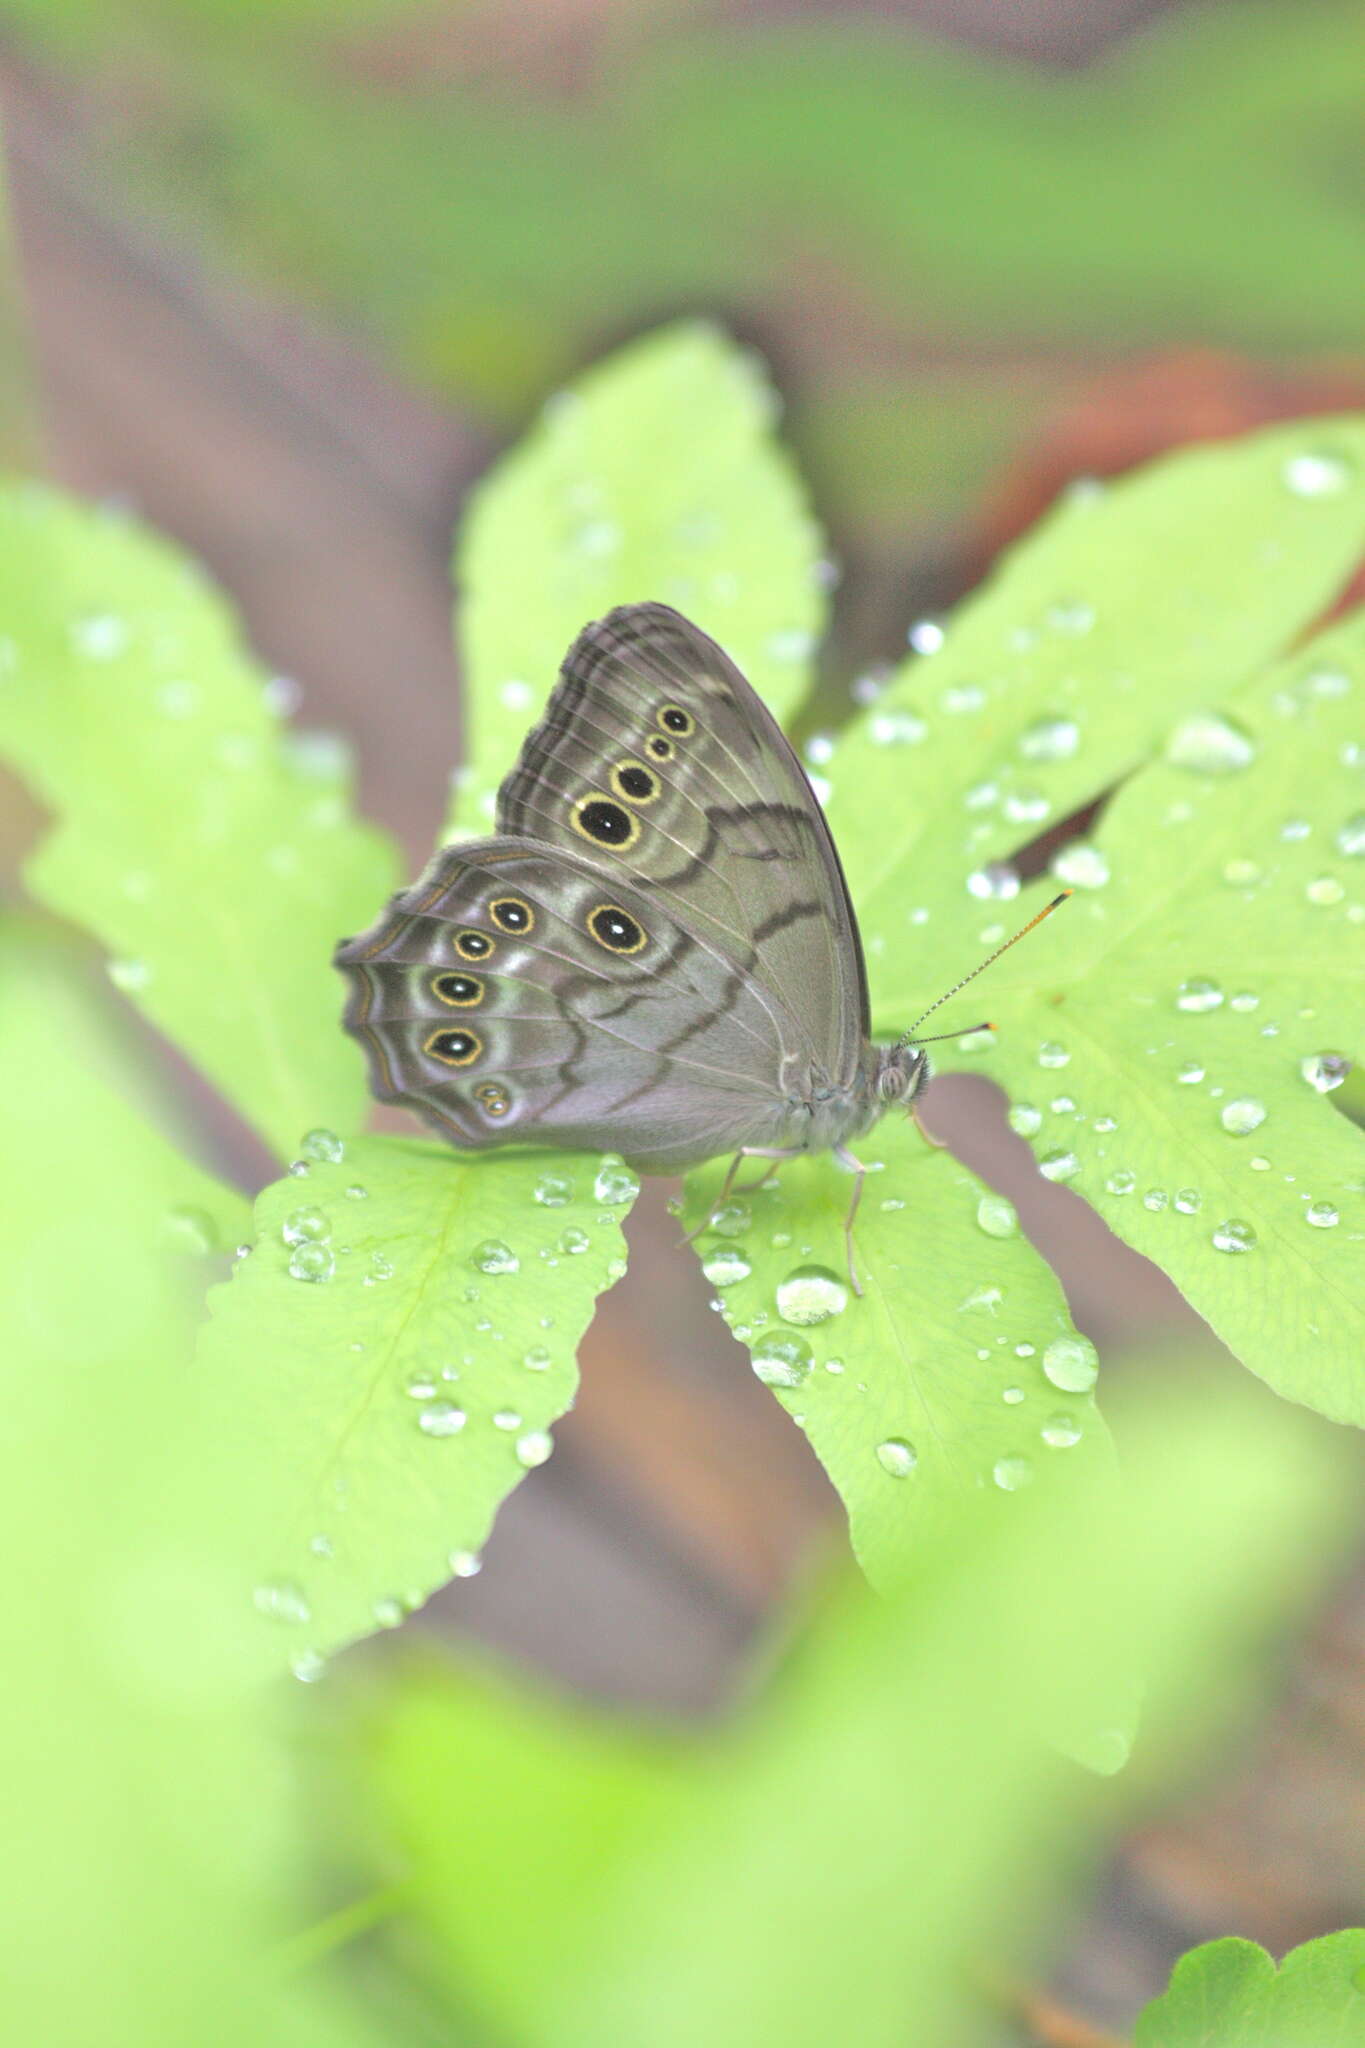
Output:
x=604 y=822
x=512 y=914
x=616 y=929
x=673 y=718
x=454 y=1048
x=635 y=782
x=462 y=991
x=473 y=945
x=659 y=747
x=493 y=1098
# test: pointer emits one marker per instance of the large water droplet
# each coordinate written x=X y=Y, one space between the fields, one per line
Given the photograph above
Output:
x=1325 y=1070
x=282 y=1600
x=1025 y=1119
x=1232 y=1235
x=1060 y=1432
x=615 y=1183
x=574 y=1241
x=1316 y=473
x=725 y=1264
x=493 y=1256
x=811 y=1294
x=926 y=636
x=322 y=1145
x=1010 y=1474
x=996 y=881
x=1059 y=1164
x=1188 y=1201
x=1198 y=995
x=1081 y=865
x=1051 y=1054
x=305 y=1224
x=997 y=1216
x=1242 y=1115
x=554 y=1190
x=534 y=1448
x=897 y=1457
x=465 y=1564
x=1050 y=739
x=1072 y=1363
x=442 y=1418
x=1122 y=1182
x=1208 y=744
x=1322 y=1215
x=783 y=1361
x=312 y=1261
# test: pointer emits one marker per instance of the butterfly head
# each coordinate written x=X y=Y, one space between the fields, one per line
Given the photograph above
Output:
x=901 y=1072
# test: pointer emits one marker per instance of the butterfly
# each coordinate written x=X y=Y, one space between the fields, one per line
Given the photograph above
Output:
x=656 y=955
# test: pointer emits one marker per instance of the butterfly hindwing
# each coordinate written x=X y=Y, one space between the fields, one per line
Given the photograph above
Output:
x=656 y=757
x=522 y=994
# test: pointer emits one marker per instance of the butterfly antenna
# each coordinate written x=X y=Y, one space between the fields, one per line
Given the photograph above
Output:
x=911 y=1036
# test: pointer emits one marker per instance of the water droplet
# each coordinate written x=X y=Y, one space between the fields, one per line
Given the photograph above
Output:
x=192 y=1230
x=1324 y=1071
x=1012 y=1395
x=996 y=881
x=897 y=726
x=1071 y=615
x=304 y=1224
x=1294 y=829
x=926 y=636
x=100 y=636
x=1198 y=995
x=1188 y=1201
x=465 y=1564
x=1026 y=806
x=732 y=1219
x=1260 y=1165
x=1155 y=1199
x=1081 y=865
x=1050 y=739
x=1025 y=1119
x=356 y=1193
x=1121 y=1183
x=783 y=1361
x=1316 y=473
x=493 y=1256
x=1208 y=744
x=811 y=1294
x=1059 y=1164
x=1189 y=1072
x=1351 y=836
x=442 y=1418
x=1062 y=1105
x=421 y=1386
x=506 y=1418
x=726 y=1264
x=573 y=1241
x=322 y=1145
x=312 y=1261
x=891 y=1205
x=1322 y=1215
x=997 y=1216
x=1060 y=1432
x=1010 y=1474
x=554 y=1190
x=1324 y=889
x=1072 y=1363
x=1242 y=1115
x=537 y=1359
x=534 y=1448
x=388 y=1612
x=1244 y=1002
x=615 y=1183
x=1051 y=1054
x=1240 y=874
x=129 y=975
x=282 y=1600
x=1105 y=1124
x=897 y=1457
x=1233 y=1236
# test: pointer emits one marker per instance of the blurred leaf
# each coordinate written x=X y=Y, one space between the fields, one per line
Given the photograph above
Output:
x=213 y=854
x=146 y=1819
x=1165 y=1040
x=957 y=1370
x=1229 y=1994
x=852 y=1854
x=655 y=476
x=387 y=1363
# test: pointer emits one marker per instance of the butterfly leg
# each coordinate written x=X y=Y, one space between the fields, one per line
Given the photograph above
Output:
x=859 y=1172
x=773 y=1152
x=939 y=1144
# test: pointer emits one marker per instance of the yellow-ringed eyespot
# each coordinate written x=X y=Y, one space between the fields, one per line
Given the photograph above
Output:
x=473 y=945
x=454 y=1048
x=659 y=747
x=512 y=914
x=461 y=991
x=604 y=822
x=674 y=719
x=636 y=783
x=493 y=1098
x=616 y=929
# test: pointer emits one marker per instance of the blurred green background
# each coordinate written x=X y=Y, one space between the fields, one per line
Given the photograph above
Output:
x=285 y=274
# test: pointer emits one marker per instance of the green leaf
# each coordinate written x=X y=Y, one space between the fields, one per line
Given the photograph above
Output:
x=1228 y=1994
x=655 y=476
x=212 y=853
x=388 y=1361
x=958 y=1368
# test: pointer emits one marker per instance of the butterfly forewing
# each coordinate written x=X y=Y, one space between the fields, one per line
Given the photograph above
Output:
x=656 y=757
